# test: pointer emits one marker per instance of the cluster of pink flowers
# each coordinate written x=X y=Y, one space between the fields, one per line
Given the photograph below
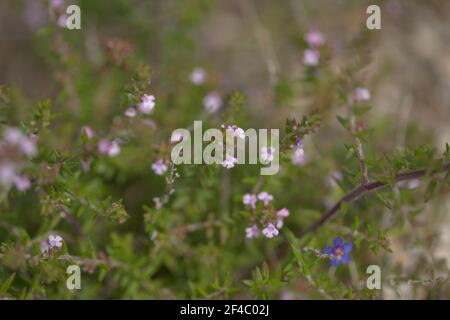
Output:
x=145 y=106
x=53 y=243
x=298 y=157
x=15 y=148
x=108 y=147
x=232 y=131
x=311 y=55
x=267 y=154
x=264 y=217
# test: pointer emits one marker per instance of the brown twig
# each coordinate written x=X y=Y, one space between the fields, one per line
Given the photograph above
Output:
x=365 y=189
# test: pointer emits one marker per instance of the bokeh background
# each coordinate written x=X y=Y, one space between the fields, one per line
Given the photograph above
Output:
x=254 y=47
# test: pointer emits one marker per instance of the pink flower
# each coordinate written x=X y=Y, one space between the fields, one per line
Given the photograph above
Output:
x=315 y=38
x=252 y=232
x=62 y=21
x=249 y=200
x=267 y=154
x=176 y=137
x=362 y=94
x=90 y=133
x=235 y=131
x=55 y=241
x=311 y=57
x=147 y=104
x=15 y=137
x=107 y=147
x=280 y=223
x=229 y=162
x=265 y=197
x=270 y=231
x=22 y=183
x=198 y=76
x=159 y=167
x=298 y=157
x=44 y=247
x=283 y=213
x=212 y=102
x=130 y=112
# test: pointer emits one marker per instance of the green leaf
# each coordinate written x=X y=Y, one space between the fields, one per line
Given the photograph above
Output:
x=345 y=123
x=430 y=190
x=7 y=283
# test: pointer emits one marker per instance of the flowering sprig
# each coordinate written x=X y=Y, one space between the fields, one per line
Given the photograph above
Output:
x=263 y=217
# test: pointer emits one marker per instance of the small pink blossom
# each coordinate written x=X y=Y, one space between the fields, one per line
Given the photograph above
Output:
x=229 y=162
x=235 y=131
x=267 y=154
x=44 y=247
x=130 y=112
x=362 y=94
x=311 y=57
x=90 y=133
x=176 y=137
x=198 y=76
x=265 y=197
x=280 y=223
x=147 y=104
x=250 y=200
x=15 y=137
x=212 y=102
x=55 y=241
x=252 y=232
x=107 y=147
x=62 y=21
x=159 y=167
x=270 y=231
x=298 y=157
x=22 y=183
x=283 y=213
x=315 y=38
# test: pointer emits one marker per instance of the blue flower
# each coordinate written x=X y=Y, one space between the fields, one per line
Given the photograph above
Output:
x=339 y=252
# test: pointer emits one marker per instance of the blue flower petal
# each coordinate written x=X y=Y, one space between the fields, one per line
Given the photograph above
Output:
x=335 y=262
x=346 y=258
x=347 y=247
x=337 y=241
x=328 y=250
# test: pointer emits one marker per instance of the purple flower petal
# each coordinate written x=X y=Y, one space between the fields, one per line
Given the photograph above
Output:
x=346 y=258
x=347 y=247
x=337 y=241
x=335 y=262
x=328 y=250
